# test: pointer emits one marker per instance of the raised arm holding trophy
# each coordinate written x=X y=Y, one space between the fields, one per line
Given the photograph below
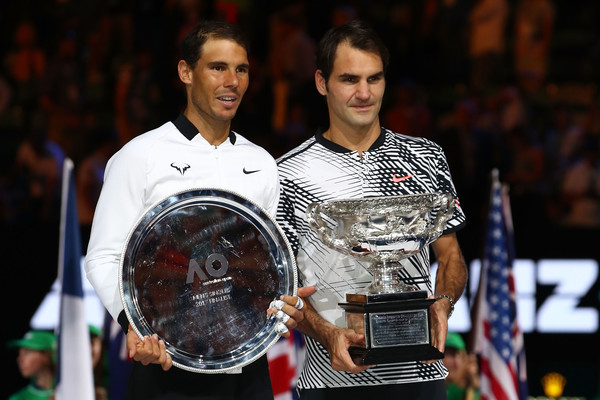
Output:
x=361 y=206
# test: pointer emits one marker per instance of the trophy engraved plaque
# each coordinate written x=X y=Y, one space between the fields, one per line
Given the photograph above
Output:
x=200 y=269
x=393 y=316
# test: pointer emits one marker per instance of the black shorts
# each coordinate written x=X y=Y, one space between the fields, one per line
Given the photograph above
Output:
x=151 y=382
x=432 y=390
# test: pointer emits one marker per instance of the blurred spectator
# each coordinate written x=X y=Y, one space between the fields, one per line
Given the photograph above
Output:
x=580 y=188
x=525 y=169
x=95 y=83
x=462 y=382
x=189 y=13
x=524 y=173
x=426 y=44
x=26 y=65
x=36 y=361
x=398 y=34
x=39 y=163
x=563 y=139
x=6 y=94
x=89 y=178
x=123 y=79
x=254 y=115
x=342 y=13
x=408 y=114
x=292 y=61
x=469 y=135
x=487 y=36
x=97 y=346
x=511 y=108
x=295 y=131
x=452 y=33
x=62 y=95
x=533 y=28
x=137 y=95
x=562 y=143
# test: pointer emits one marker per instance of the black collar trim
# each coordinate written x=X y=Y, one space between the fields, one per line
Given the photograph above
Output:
x=341 y=149
x=190 y=131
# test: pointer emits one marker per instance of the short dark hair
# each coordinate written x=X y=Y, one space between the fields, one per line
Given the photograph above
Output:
x=191 y=45
x=359 y=35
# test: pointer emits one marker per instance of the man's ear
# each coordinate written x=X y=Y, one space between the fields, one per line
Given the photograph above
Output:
x=185 y=72
x=320 y=82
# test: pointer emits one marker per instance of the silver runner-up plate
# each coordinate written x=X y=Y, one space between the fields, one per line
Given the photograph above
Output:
x=200 y=269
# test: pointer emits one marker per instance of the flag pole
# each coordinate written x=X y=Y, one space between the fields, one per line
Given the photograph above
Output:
x=67 y=168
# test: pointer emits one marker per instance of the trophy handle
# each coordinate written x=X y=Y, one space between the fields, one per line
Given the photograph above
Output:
x=445 y=201
x=313 y=217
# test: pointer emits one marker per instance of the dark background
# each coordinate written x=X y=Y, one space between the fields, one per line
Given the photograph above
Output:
x=109 y=74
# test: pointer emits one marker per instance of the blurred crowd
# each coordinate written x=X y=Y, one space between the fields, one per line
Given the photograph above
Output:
x=507 y=84
x=498 y=83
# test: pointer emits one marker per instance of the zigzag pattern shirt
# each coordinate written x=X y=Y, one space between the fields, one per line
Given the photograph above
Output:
x=320 y=170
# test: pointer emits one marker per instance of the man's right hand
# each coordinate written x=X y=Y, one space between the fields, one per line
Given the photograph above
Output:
x=151 y=350
x=339 y=341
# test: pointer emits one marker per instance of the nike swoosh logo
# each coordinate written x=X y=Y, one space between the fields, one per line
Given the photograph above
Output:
x=397 y=179
x=250 y=172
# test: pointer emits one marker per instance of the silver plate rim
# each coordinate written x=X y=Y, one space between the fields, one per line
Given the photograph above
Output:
x=167 y=202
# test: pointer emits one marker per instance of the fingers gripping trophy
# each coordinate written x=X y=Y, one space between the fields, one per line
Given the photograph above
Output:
x=393 y=316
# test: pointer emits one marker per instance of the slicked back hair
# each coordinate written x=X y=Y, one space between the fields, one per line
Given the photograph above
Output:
x=191 y=45
x=357 y=34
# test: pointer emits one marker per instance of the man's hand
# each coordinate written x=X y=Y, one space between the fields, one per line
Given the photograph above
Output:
x=338 y=342
x=439 y=323
x=289 y=310
x=151 y=350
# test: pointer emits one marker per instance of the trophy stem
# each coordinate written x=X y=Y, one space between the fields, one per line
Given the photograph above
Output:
x=386 y=278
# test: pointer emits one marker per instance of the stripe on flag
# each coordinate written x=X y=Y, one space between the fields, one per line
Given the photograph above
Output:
x=74 y=379
x=498 y=339
x=284 y=358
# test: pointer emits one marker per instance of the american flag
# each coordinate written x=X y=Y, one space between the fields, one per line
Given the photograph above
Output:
x=498 y=339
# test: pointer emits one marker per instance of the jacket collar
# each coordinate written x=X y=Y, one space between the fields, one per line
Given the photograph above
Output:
x=189 y=130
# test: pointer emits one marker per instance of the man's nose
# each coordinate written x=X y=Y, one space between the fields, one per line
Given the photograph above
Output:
x=231 y=80
x=363 y=91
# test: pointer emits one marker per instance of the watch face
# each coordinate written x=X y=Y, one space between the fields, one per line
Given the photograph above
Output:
x=200 y=269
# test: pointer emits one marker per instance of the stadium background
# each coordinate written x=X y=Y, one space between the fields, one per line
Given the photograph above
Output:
x=88 y=76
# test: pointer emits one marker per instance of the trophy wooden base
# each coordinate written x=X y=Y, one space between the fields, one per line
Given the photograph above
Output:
x=396 y=327
x=378 y=356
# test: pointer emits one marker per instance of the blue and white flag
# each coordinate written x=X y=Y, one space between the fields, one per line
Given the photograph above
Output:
x=75 y=380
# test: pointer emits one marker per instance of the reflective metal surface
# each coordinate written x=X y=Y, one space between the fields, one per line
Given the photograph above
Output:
x=200 y=269
x=382 y=230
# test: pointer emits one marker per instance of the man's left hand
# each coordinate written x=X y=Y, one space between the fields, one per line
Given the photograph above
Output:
x=438 y=312
x=289 y=310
